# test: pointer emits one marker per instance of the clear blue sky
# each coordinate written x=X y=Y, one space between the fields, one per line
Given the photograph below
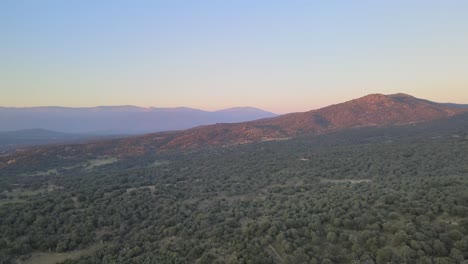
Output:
x=278 y=55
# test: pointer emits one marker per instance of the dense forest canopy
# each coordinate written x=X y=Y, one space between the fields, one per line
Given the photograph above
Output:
x=368 y=195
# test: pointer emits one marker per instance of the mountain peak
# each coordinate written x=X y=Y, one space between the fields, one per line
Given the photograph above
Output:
x=379 y=96
x=371 y=98
x=401 y=100
x=400 y=95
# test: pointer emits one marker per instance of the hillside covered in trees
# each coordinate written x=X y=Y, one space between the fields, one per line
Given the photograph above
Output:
x=394 y=194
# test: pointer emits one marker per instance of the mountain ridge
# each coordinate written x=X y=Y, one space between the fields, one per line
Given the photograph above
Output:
x=369 y=110
x=375 y=110
x=120 y=119
x=131 y=107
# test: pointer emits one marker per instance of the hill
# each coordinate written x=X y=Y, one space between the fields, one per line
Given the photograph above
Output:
x=120 y=119
x=370 y=110
x=366 y=194
x=374 y=110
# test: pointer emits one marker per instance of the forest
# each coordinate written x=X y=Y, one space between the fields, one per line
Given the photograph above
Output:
x=363 y=196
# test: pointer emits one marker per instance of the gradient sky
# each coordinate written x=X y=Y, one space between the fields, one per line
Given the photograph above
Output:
x=281 y=56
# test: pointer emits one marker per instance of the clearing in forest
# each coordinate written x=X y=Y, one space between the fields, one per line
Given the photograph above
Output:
x=54 y=257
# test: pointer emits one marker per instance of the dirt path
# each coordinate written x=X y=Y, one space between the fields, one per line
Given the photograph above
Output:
x=277 y=255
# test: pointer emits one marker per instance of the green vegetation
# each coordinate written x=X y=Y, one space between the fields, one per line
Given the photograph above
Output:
x=158 y=163
x=88 y=165
x=100 y=162
x=20 y=195
x=372 y=199
x=11 y=201
x=55 y=257
x=42 y=173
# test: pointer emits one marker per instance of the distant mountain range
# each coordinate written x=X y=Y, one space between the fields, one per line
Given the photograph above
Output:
x=375 y=110
x=33 y=137
x=457 y=105
x=120 y=119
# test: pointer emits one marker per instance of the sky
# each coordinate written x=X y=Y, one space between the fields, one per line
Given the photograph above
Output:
x=281 y=56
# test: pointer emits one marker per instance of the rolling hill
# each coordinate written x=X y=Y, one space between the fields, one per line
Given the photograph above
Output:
x=375 y=110
x=370 y=110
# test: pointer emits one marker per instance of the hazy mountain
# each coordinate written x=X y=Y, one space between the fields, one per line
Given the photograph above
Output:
x=457 y=105
x=33 y=137
x=120 y=119
x=374 y=110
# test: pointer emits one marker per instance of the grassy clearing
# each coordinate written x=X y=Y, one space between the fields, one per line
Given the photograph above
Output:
x=91 y=164
x=88 y=165
x=19 y=195
x=53 y=257
x=22 y=192
x=151 y=187
x=42 y=173
x=346 y=180
x=11 y=201
x=159 y=163
x=451 y=220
